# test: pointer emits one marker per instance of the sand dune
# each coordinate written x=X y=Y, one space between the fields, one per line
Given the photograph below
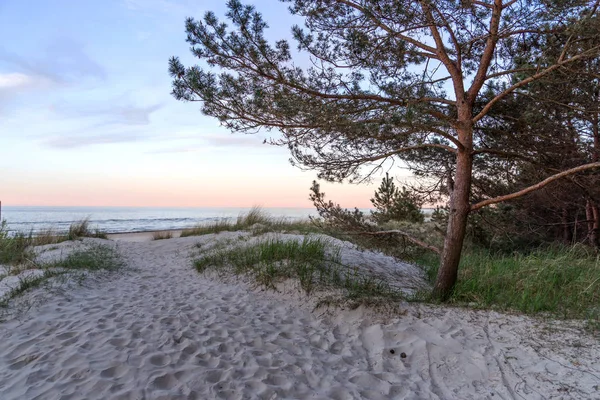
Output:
x=159 y=330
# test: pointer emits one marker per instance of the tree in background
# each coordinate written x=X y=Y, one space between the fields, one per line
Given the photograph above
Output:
x=388 y=79
x=394 y=204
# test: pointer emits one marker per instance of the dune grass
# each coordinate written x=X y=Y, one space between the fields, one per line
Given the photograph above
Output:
x=16 y=248
x=161 y=235
x=559 y=280
x=82 y=229
x=314 y=262
x=91 y=258
x=257 y=220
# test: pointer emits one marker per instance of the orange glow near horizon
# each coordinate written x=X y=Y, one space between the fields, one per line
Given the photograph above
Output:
x=275 y=192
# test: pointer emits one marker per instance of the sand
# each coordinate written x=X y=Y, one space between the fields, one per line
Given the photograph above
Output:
x=160 y=330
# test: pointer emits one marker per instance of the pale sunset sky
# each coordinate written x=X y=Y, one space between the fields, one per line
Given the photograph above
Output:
x=86 y=115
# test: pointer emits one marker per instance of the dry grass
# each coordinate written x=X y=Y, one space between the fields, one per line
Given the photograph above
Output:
x=160 y=235
x=256 y=220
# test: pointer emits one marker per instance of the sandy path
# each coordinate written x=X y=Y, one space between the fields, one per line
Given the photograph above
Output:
x=162 y=331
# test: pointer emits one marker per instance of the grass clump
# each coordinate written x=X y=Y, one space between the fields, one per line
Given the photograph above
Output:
x=563 y=281
x=162 y=235
x=313 y=261
x=91 y=258
x=82 y=229
x=15 y=248
x=256 y=219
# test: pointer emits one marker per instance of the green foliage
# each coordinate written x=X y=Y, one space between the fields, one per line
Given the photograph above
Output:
x=313 y=261
x=16 y=248
x=562 y=281
x=355 y=227
x=92 y=258
x=392 y=203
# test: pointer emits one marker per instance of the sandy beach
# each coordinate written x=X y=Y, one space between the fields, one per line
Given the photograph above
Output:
x=158 y=329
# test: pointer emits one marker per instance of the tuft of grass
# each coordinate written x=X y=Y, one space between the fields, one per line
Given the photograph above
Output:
x=162 y=235
x=559 y=280
x=257 y=220
x=25 y=285
x=15 y=249
x=92 y=258
x=47 y=236
x=313 y=261
x=222 y=225
x=81 y=229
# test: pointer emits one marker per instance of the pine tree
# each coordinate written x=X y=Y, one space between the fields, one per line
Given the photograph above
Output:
x=389 y=80
x=394 y=204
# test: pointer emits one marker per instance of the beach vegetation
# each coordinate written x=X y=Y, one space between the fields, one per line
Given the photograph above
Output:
x=160 y=235
x=16 y=247
x=255 y=220
x=562 y=281
x=313 y=261
x=81 y=229
x=93 y=258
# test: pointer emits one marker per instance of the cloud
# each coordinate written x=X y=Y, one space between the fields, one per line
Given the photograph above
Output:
x=76 y=141
x=177 y=150
x=112 y=115
x=234 y=140
x=170 y=6
x=132 y=115
x=15 y=80
x=214 y=141
x=63 y=61
x=14 y=83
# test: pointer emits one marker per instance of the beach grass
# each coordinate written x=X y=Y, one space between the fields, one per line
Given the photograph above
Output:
x=161 y=235
x=560 y=280
x=313 y=261
x=256 y=220
x=16 y=248
x=91 y=258
x=82 y=229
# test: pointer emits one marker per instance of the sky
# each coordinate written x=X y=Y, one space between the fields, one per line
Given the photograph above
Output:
x=86 y=115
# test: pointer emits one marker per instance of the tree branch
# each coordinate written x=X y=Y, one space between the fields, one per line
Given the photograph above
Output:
x=388 y=29
x=402 y=233
x=535 y=187
x=488 y=53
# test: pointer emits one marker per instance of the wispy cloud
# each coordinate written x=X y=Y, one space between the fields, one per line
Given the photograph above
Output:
x=170 y=6
x=14 y=83
x=234 y=140
x=15 y=80
x=77 y=141
x=62 y=61
x=214 y=141
x=125 y=114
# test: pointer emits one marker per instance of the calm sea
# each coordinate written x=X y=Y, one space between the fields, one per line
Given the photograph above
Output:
x=128 y=219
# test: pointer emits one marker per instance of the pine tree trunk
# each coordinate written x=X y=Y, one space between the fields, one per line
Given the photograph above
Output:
x=457 y=224
x=591 y=206
x=567 y=238
x=591 y=214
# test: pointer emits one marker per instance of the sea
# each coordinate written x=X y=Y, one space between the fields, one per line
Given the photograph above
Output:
x=129 y=219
